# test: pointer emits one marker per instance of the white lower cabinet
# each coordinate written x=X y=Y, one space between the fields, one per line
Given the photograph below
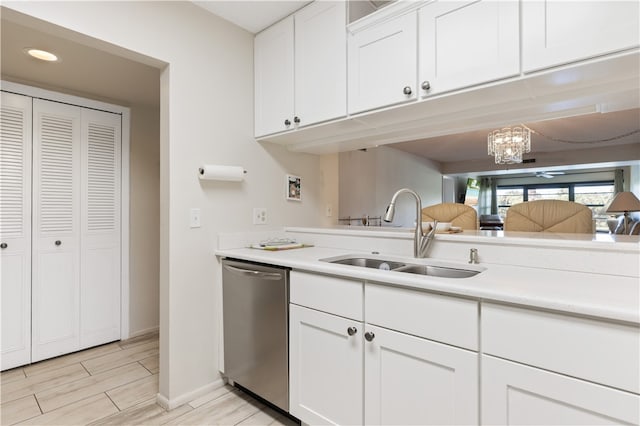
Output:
x=414 y=381
x=517 y=394
x=325 y=367
x=346 y=371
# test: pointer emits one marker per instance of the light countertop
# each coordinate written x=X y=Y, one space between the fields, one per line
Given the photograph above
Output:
x=595 y=295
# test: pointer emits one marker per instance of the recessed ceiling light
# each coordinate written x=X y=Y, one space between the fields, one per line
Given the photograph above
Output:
x=41 y=54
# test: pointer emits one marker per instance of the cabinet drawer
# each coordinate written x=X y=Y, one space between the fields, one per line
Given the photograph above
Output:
x=441 y=318
x=598 y=351
x=334 y=295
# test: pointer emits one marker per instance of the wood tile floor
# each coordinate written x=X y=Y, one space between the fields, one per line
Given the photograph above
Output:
x=116 y=384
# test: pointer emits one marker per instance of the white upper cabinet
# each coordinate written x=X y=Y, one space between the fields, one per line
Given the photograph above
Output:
x=300 y=69
x=273 y=62
x=15 y=229
x=559 y=32
x=383 y=63
x=463 y=43
x=320 y=62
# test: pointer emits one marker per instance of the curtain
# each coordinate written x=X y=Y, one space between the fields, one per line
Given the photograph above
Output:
x=488 y=198
x=618 y=183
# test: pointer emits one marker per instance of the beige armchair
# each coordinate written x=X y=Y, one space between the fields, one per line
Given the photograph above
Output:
x=549 y=216
x=458 y=214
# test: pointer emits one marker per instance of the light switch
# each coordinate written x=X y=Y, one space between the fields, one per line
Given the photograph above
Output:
x=194 y=218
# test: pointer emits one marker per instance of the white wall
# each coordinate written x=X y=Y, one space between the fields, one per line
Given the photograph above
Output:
x=368 y=180
x=144 y=219
x=206 y=117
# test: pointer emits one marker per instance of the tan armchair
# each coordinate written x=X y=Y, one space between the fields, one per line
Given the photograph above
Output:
x=549 y=216
x=458 y=214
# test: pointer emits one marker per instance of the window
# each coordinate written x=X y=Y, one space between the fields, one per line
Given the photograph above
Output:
x=508 y=196
x=594 y=195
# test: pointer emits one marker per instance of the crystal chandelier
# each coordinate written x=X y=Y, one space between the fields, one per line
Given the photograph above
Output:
x=508 y=144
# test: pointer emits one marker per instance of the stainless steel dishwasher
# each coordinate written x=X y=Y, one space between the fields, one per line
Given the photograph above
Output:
x=256 y=329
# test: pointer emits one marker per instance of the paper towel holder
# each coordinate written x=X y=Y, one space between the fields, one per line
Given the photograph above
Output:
x=224 y=173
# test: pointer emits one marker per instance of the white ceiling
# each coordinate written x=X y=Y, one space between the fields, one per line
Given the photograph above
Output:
x=589 y=127
x=253 y=16
x=83 y=71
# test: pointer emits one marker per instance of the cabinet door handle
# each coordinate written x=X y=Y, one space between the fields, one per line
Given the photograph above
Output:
x=407 y=90
x=296 y=120
x=4 y=246
x=58 y=242
x=287 y=122
x=351 y=331
x=425 y=85
x=369 y=336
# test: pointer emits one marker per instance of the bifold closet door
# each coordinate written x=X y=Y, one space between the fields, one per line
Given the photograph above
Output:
x=100 y=253
x=56 y=229
x=15 y=229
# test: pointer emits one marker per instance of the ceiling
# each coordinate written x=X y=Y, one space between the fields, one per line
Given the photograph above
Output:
x=93 y=73
x=253 y=16
x=83 y=71
x=589 y=127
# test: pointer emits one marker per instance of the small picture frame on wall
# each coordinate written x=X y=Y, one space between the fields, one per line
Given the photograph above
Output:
x=294 y=188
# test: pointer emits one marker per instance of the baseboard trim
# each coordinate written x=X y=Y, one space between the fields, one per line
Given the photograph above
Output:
x=170 y=404
x=143 y=332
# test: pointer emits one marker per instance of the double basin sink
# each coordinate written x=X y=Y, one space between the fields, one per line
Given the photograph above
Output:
x=440 y=269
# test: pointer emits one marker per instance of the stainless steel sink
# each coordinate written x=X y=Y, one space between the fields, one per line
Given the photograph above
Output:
x=368 y=263
x=436 y=269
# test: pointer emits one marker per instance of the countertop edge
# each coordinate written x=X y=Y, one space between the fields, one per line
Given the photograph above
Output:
x=486 y=287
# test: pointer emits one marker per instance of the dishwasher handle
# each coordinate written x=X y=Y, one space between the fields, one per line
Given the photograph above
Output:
x=255 y=274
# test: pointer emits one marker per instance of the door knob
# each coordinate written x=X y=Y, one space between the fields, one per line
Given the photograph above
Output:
x=58 y=242
x=351 y=331
x=407 y=90
x=369 y=336
x=425 y=85
x=3 y=246
x=296 y=120
x=287 y=122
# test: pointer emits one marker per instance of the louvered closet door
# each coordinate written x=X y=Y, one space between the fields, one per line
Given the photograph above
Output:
x=100 y=255
x=56 y=229
x=15 y=229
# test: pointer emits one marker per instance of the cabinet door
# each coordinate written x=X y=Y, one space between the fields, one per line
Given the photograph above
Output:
x=321 y=62
x=56 y=229
x=383 y=63
x=15 y=229
x=273 y=62
x=518 y=394
x=463 y=43
x=325 y=368
x=559 y=32
x=100 y=256
x=414 y=381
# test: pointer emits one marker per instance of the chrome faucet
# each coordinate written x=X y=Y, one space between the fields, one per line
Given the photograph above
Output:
x=421 y=240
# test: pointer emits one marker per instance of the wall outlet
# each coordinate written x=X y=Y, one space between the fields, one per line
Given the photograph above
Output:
x=329 y=210
x=259 y=216
x=194 y=218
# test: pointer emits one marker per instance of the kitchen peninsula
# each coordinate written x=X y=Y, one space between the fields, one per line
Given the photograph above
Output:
x=548 y=329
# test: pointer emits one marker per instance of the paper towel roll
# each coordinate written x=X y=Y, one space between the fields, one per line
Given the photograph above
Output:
x=228 y=173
